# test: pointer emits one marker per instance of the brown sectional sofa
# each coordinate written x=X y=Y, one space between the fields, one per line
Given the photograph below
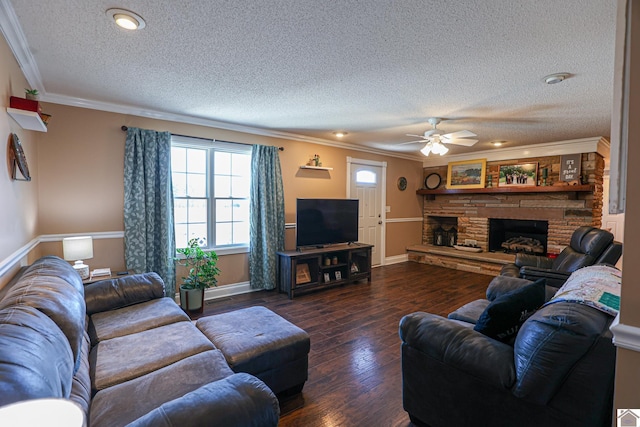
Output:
x=124 y=353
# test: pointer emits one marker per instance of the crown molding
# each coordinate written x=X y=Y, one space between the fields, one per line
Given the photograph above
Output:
x=200 y=121
x=12 y=31
x=597 y=144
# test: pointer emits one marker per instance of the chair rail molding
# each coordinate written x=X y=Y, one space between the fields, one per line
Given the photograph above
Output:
x=17 y=257
x=625 y=336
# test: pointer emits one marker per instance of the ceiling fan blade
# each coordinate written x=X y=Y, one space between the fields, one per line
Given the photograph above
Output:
x=412 y=142
x=465 y=142
x=459 y=134
x=417 y=136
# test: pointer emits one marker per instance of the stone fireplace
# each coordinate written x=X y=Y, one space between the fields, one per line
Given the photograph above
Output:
x=548 y=215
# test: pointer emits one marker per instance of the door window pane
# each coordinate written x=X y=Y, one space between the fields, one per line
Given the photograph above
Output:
x=365 y=177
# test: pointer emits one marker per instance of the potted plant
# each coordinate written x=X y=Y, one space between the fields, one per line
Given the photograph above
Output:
x=31 y=94
x=202 y=274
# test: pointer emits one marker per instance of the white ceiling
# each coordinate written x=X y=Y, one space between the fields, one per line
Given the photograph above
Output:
x=374 y=68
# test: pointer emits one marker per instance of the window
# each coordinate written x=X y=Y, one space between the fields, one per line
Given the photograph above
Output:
x=211 y=184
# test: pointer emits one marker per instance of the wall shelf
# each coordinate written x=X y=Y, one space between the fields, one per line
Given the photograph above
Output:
x=318 y=168
x=431 y=194
x=29 y=120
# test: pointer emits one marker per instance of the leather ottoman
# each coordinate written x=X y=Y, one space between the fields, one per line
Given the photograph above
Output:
x=257 y=341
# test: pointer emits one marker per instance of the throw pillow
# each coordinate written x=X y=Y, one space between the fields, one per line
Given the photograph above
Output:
x=504 y=316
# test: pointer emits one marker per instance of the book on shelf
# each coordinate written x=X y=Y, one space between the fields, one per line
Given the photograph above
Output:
x=99 y=272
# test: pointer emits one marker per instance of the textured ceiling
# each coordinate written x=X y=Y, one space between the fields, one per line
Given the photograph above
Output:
x=376 y=69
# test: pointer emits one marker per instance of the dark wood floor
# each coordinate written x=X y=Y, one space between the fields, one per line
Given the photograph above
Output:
x=354 y=363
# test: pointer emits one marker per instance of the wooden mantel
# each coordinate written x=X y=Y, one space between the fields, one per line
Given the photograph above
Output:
x=587 y=188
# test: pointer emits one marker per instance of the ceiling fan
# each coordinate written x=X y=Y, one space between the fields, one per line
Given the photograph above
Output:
x=435 y=140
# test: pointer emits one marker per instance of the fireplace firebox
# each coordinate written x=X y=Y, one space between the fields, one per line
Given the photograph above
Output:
x=517 y=235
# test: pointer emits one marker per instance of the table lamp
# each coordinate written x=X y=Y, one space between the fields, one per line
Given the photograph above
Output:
x=42 y=412
x=76 y=249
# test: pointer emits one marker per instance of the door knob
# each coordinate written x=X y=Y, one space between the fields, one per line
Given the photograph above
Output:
x=379 y=222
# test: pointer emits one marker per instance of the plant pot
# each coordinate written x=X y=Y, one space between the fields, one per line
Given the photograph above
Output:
x=192 y=300
x=32 y=97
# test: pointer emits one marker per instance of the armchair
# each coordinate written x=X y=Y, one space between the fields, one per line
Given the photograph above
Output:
x=588 y=246
x=554 y=369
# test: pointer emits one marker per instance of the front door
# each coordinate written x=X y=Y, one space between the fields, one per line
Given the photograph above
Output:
x=366 y=184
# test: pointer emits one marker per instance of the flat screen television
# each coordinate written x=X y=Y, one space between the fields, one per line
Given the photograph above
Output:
x=321 y=222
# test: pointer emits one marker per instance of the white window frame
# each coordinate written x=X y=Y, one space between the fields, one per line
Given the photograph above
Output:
x=229 y=147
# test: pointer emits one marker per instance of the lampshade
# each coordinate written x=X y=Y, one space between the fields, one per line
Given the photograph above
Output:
x=439 y=148
x=434 y=147
x=42 y=412
x=77 y=248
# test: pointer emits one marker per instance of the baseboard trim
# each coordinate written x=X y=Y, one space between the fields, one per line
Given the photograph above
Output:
x=397 y=259
x=625 y=336
x=228 y=290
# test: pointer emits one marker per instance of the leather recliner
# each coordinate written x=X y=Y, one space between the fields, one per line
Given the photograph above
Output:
x=558 y=372
x=588 y=246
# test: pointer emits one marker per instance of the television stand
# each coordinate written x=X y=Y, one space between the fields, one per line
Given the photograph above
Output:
x=319 y=268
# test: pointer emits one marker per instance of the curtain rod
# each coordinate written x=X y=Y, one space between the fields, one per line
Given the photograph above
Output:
x=124 y=128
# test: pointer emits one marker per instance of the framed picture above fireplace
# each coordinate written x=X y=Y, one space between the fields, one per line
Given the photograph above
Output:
x=467 y=174
x=518 y=175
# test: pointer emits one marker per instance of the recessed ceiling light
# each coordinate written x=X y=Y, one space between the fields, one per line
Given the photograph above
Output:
x=340 y=134
x=126 y=19
x=498 y=143
x=555 y=78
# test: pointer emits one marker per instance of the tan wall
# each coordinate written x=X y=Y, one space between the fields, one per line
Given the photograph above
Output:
x=18 y=199
x=82 y=187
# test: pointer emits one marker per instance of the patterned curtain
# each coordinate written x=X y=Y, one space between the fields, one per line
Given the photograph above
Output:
x=267 y=216
x=148 y=205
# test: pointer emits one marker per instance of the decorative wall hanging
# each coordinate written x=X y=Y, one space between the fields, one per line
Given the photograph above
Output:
x=432 y=181
x=402 y=183
x=519 y=175
x=467 y=174
x=570 y=167
x=19 y=160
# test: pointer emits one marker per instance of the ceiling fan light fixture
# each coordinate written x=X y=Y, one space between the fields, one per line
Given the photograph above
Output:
x=426 y=150
x=340 y=134
x=126 y=19
x=555 y=78
x=439 y=148
x=435 y=148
